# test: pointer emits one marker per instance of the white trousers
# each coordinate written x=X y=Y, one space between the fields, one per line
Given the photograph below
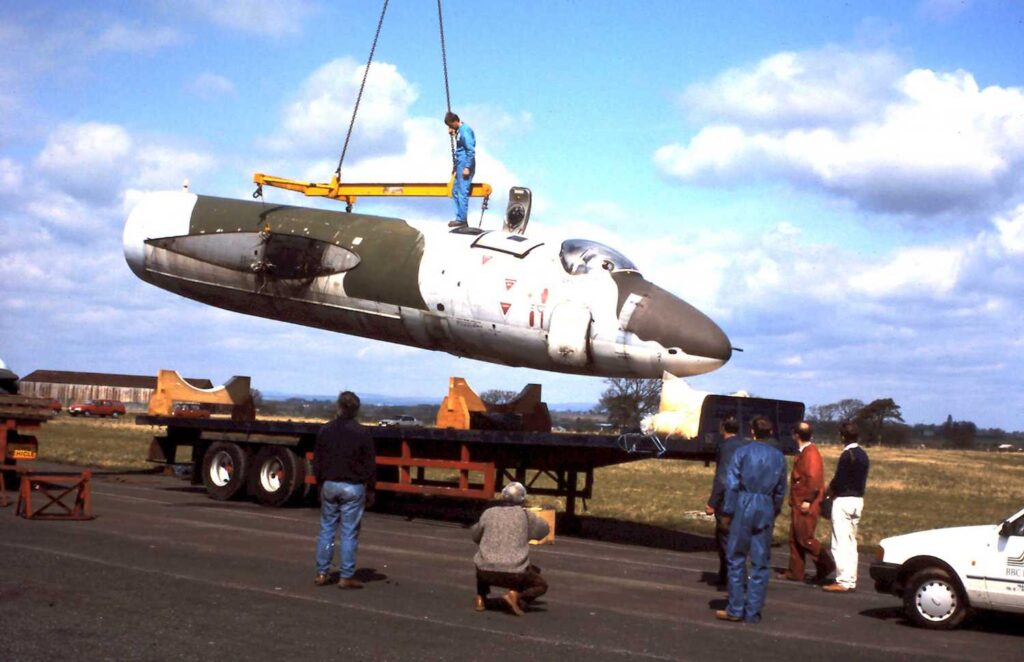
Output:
x=845 y=518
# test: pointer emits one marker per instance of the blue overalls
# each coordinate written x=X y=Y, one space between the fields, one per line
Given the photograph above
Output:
x=755 y=487
x=465 y=157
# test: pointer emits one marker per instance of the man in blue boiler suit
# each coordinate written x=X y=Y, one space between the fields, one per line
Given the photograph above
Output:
x=465 y=167
x=755 y=488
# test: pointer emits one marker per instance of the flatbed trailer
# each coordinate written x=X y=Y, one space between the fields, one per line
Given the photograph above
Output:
x=19 y=416
x=270 y=460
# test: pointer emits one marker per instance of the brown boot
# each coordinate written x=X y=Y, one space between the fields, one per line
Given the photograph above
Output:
x=349 y=582
x=512 y=600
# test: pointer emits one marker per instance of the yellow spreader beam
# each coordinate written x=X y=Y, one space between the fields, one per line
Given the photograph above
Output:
x=349 y=192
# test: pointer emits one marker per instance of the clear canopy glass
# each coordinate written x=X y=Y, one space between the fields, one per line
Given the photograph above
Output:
x=580 y=256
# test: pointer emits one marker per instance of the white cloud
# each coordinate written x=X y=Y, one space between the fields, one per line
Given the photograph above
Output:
x=318 y=117
x=823 y=87
x=254 y=16
x=95 y=162
x=912 y=272
x=123 y=38
x=163 y=167
x=927 y=142
x=10 y=174
x=1011 y=230
x=89 y=160
x=389 y=144
x=209 y=86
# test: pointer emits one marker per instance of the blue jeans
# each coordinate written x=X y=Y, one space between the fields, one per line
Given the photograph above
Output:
x=341 y=505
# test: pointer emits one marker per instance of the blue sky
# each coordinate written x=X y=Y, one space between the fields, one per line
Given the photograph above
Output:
x=839 y=186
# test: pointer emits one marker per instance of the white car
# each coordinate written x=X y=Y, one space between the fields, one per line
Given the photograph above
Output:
x=403 y=421
x=944 y=573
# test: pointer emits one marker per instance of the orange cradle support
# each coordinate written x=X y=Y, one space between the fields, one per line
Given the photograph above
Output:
x=171 y=388
x=55 y=488
x=463 y=409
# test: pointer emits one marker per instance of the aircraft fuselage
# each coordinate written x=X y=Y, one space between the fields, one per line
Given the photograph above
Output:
x=572 y=306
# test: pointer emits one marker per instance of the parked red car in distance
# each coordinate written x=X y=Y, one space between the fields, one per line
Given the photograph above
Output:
x=112 y=408
x=190 y=410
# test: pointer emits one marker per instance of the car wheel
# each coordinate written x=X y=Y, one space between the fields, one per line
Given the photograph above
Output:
x=87 y=412
x=278 y=476
x=115 y=414
x=225 y=466
x=934 y=600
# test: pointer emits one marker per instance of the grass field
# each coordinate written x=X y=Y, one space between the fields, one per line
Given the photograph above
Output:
x=908 y=490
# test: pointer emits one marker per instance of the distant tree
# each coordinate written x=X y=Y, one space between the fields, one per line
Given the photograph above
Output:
x=872 y=417
x=836 y=412
x=822 y=413
x=627 y=400
x=848 y=408
x=959 y=434
x=897 y=434
x=257 y=397
x=498 y=396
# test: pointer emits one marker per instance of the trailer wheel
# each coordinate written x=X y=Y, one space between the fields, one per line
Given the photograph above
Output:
x=225 y=466
x=278 y=477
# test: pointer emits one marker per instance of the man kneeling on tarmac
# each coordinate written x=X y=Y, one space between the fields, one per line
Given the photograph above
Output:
x=504 y=533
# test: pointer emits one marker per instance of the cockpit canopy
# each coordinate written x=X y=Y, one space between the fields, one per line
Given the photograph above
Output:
x=580 y=256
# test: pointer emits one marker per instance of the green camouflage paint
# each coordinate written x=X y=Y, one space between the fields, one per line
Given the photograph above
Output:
x=390 y=250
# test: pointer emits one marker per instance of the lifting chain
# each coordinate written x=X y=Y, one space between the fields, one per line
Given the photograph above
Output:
x=359 y=97
x=444 y=66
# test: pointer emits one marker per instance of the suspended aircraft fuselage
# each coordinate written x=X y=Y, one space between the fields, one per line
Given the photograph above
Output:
x=572 y=306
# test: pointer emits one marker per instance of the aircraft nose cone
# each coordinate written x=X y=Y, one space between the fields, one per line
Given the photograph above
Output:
x=662 y=317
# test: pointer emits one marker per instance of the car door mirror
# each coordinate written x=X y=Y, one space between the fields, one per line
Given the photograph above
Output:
x=1006 y=530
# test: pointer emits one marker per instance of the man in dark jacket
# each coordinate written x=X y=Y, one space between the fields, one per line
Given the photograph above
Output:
x=345 y=466
x=726 y=447
x=847 y=492
x=504 y=533
x=755 y=487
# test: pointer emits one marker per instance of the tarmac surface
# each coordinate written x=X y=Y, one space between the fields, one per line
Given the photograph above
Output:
x=165 y=573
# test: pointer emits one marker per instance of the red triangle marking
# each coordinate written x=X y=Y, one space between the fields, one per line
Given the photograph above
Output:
x=509 y=282
x=486 y=259
x=505 y=307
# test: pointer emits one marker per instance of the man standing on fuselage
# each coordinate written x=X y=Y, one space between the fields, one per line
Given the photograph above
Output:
x=465 y=167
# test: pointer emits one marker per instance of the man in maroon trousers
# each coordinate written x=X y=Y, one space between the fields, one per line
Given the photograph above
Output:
x=806 y=490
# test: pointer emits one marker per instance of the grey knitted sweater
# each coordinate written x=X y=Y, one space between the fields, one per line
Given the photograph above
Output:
x=504 y=534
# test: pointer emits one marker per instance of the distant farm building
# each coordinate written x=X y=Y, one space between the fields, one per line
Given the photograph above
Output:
x=68 y=387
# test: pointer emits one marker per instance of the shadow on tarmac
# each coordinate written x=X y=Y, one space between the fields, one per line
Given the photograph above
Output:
x=982 y=621
x=467 y=512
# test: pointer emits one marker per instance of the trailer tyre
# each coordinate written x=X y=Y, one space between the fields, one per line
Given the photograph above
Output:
x=278 y=477
x=225 y=466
